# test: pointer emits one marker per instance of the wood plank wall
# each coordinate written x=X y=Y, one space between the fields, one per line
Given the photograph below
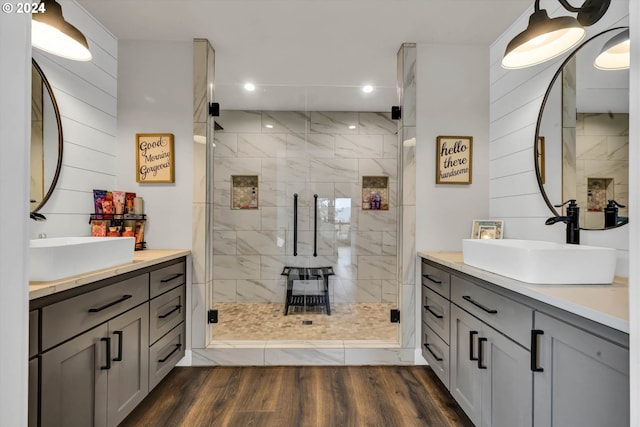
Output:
x=515 y=100
x=86 y=93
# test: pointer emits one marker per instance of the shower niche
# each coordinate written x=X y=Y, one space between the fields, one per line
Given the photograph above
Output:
x=244 y=192
x=375 y=193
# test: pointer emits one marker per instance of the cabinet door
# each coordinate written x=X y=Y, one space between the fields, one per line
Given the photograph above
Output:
x=74 y=383
x=33 y=392
x=466 y=378
x=129 y=374
x=585 y=381
x=506 y=380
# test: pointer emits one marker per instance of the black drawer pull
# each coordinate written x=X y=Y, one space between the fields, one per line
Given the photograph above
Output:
x=436 y=315
x=477 y=304
x=108 y=359
x=118 y=358
x=111 y=304
x=535 y=333
x=481 y=353
x=176 y=308
x=170 y=354
x=429 y=277
x=168 y=279
x=428 y=347
x=472 y=334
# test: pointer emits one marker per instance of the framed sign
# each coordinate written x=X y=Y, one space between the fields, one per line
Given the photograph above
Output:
x=453 y=159
x=154 y=158
x=487 y=229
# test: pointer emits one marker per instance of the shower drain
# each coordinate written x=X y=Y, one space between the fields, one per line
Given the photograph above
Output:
x=307 y=322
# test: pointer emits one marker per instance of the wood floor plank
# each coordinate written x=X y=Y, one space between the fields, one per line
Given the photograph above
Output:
x=301 y=396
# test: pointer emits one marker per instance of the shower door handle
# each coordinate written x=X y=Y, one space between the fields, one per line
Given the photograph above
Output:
x=315 y=225
x=295 y=224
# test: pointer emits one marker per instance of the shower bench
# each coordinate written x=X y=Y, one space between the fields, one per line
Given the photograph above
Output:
x=303 y=276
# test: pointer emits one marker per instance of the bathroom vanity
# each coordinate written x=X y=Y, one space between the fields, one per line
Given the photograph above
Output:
x=100 y=342
x=517 y=354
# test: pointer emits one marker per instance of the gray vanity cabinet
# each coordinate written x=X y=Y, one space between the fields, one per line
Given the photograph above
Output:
x=97 y=378
x=584 y=379
x=490 y=376
x=73 y=385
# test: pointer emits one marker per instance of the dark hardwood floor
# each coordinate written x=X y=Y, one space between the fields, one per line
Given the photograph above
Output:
x=385 y=396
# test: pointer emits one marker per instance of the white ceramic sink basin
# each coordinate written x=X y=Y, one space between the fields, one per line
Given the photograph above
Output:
x=55 y=258
x=542 y=262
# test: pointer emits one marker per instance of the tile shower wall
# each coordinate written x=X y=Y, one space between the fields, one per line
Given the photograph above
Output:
x=305 y=153
x=608 y=160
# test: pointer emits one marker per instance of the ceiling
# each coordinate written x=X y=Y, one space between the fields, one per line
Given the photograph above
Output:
x=292 y=45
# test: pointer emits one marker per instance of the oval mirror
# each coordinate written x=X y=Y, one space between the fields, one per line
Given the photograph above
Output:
x=46 y=139
x=581 y=146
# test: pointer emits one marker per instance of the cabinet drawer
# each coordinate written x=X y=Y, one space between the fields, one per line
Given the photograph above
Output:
x=33 y=333
x=65 y=319
x=164 y=355
x=436 y=279
x=513 y=319
x=166 y=312
x=435 y=313
x=167 y=278
x=436 y=352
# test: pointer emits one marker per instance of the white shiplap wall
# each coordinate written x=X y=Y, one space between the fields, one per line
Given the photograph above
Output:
x=515 y=100
x=86 y=93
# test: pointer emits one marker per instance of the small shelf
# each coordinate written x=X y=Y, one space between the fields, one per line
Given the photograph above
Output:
x=244 y=191
x=102 y=223
x=375 y=193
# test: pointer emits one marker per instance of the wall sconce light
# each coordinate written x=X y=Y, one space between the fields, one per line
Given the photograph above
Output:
x=545 y=38
x=615 y=54
x=51 y=33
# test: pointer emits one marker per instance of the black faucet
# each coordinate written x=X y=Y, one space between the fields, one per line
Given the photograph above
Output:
x=37 y=216
x=572 y=219
x=611 y=218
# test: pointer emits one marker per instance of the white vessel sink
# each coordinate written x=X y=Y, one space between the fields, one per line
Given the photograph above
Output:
x=55 y=258
x=542 y=262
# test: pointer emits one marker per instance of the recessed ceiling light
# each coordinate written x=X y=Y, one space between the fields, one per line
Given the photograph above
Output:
x=367 y=89
x=352 y=126
x=250 y=87
x=269 y=126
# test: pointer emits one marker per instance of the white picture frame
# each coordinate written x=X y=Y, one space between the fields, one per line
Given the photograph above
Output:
x=487 y=229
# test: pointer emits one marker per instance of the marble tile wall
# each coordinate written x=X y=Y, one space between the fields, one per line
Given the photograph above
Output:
x=406 y=272
x=324 y=153
x=602 y=151
x=202 y=238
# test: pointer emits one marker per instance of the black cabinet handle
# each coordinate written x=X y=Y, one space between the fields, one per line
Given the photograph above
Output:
x=176 y=308
x=164 y=359
x=428 y=347
x=168 y=279
x=315 y=225
x=428 y=277
x=477 y=304
x=481 y=353
x=295 y=224
x=124 y=298
x=108 y=365
x=472 y=334
x=436 y=315
x=118 y=358
x=535 y=333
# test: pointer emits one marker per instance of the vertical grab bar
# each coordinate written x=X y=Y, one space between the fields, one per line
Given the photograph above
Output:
x=295 y=224
x=315 y=225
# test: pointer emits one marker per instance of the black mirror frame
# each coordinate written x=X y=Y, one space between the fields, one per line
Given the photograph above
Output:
x=56 y=111
x=536 y=153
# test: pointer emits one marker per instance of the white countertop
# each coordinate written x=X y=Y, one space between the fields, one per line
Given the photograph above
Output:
x=605 y=304
x=141 y=259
